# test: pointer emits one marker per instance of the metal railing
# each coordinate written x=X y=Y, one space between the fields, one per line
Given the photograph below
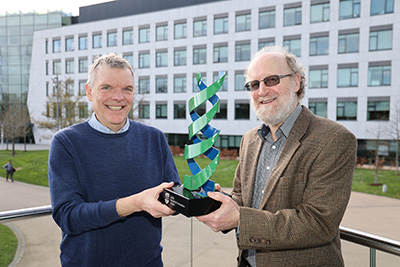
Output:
x=374 y=242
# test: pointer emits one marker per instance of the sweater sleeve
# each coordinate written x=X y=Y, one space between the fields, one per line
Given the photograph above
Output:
x=70 y=211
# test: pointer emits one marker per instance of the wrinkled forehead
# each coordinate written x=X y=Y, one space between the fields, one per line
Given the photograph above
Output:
x=267 y=64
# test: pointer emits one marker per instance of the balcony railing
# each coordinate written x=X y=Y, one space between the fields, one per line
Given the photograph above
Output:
x=373 y=242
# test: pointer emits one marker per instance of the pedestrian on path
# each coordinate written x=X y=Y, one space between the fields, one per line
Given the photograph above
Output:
x=10 y=170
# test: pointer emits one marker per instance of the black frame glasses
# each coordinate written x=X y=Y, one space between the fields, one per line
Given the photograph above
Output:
x=268 y=81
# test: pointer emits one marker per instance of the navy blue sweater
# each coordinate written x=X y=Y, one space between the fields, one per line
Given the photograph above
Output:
x=88 y=172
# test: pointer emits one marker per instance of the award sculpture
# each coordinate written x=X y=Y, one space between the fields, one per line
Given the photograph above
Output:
x=191 y=199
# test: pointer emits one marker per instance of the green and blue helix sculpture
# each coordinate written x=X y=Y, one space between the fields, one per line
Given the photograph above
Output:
x=200 y=177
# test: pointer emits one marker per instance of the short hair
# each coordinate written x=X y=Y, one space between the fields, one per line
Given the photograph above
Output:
x=291 y=60
x=113 y=61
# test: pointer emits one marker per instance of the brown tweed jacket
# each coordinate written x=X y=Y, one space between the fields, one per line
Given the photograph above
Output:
x=305 y=196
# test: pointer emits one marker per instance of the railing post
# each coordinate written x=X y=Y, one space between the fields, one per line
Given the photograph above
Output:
x=372 y=257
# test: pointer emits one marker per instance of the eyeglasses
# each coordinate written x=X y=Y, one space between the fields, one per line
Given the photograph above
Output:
x=268 y=81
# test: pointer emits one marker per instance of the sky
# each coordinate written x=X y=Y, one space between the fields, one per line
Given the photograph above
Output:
x=42 y=6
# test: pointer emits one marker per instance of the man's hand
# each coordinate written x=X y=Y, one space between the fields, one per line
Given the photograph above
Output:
x=146 y=200
x=224 y=218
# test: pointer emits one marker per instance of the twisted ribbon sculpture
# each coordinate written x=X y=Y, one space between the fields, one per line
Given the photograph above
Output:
x=200 y=179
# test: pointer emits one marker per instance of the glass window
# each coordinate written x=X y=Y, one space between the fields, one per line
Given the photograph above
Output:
x=83 y=65
x=129 y=58
x=239 y=82
x=224 y=86
x=199 y=55
x=320 y=12
x=380 y=40
x=162 y=59
x=293 y=46
x=222 y=113
x=379 y=75
x=319 y=46
x=180 y=111
x=220 y=53
x=83 y=110
x=161 y=85
x=69 y=66
x=180 y=30
x=262 y=43
x=195 y=85
x=56 y=67
x=242 y=52
x=378 y=110
x=82 y=88
x=162 y=33
x=292 y=16
x=379 y=7
x=69 y=44
x=242 y=111
x=266 y=19
x=348 y=43
x=144 y=60
x=161 y=111
x=83 y=42
x=346 y=110
x=144 y=85
x=221 y=25
x=180 y=84
x=200 y=28
x=319 y=108
x=5 y=42
x=144 y=35
x=127 y=37
x=97 y=40
x=56 y=46
x=243 y=23
x=112 y=39
x=349 y=9
x=318 y=78
x=180 y=58
x=347 y=77
x=144 y=111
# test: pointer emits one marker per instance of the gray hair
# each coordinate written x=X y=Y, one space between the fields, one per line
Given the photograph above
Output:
x=113 y=61
x=291 y=60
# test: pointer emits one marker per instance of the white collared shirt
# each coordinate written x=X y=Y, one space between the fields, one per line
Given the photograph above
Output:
x=95 y=124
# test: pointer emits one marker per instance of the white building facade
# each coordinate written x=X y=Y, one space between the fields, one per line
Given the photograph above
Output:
x=350 y=50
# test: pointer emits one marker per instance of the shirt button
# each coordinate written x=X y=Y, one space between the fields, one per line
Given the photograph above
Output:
x=268 y=167
x=262 y=191
x=273 y=147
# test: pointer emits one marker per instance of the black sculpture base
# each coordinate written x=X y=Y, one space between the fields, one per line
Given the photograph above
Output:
x=188 y=202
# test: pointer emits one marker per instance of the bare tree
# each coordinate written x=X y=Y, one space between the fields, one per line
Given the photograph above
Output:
x=393 y=128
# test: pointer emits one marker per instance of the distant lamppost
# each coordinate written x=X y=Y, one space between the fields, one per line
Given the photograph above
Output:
x=55 y=82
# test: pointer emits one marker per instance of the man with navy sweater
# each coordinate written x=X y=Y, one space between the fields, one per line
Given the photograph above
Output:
x=105 y=177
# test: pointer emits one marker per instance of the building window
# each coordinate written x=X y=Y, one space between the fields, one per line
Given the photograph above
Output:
x=180 y=30
x=348 y=42
x=83 y=65
x=97 y=40
x=319 y=107
x=69 y=44
x=320 y=12
x=243 y=22
x=46 y=45
x=56 y=67
x=144 y=60
x=161 y=85
x=83 y=42
x=144 y=35
x=221 y=25
x=266 y=19
x=69 y=88
x=379 y=75
x=180 y=111
x=379 y=7
x=83 y=110
x=265 y=42
x=242 y=111
x=129 y=58
x=349 y=9
x=347 y=76
x=69 y=66
x=319 y=45
x=378 y=109
x=195 y=85
x=162 y=33
x=380 y=40
x=144 y=111
x=292 y=16
x=239 y=81
x=161 y=59
x=127 y=37
x=220 y=53
x=318 y=78
x=144 y=85
x=47 y=68
x=82 y=88
x=224 y=86
x=180 y=57
x=222 y=113
x=346 y=110
x=112 y=39
x=242 y=51
x=161 y=111
x=199 y=55
x=200 y=27
x=293 y=45
x=180 y=84
x=56 y=46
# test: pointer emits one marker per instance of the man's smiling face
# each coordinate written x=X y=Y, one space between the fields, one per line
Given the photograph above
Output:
x=111 y=96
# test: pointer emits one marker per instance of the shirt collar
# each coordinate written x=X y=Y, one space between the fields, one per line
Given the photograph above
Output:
x=95 y=124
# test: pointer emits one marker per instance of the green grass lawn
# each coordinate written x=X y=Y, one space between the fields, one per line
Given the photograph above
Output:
x=8 y=245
